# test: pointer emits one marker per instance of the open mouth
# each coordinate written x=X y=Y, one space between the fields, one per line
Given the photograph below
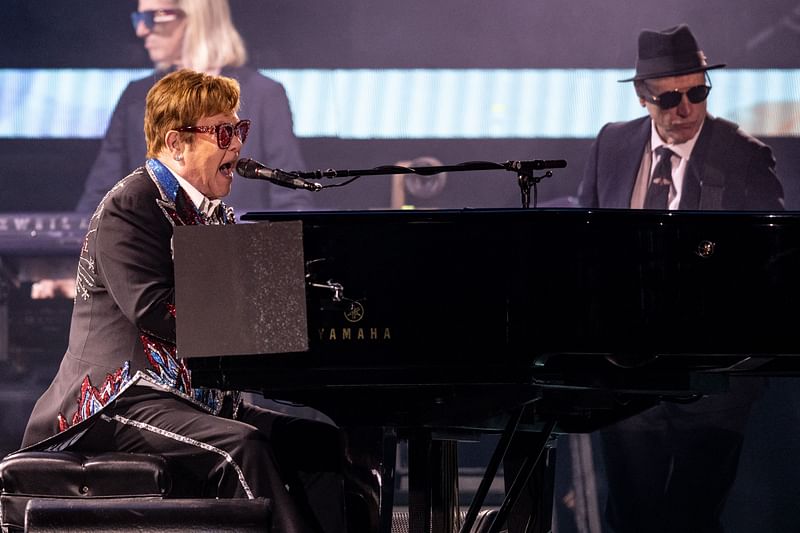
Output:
x=227 y=169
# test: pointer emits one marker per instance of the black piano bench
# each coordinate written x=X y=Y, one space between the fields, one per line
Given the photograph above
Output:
x=120 y=492
x=135 y=515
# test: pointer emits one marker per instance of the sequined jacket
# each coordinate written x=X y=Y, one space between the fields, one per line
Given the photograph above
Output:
x=122 y=332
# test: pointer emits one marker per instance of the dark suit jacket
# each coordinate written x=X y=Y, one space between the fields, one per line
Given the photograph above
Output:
x=728 y=169
x=271 y=141
x=123 y=320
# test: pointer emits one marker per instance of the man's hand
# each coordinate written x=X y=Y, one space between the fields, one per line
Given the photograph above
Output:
x=53 y=288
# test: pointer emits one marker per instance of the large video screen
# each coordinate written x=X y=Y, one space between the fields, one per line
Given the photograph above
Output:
x=412 y=103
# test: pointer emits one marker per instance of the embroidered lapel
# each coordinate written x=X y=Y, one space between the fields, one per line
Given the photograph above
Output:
x=174 y=201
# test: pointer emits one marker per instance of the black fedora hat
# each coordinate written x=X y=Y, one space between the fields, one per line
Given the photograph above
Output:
x=671 y=52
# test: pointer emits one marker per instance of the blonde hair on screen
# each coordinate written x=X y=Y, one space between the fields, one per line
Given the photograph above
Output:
x=210 y=41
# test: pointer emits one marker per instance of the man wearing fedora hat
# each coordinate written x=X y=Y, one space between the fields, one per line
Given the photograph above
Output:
x=670 y=468
x=714 y=164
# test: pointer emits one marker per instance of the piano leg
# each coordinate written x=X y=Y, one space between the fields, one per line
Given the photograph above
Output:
x=433 y=495
x=433 y=484
x=370 y=479
x=419 y=482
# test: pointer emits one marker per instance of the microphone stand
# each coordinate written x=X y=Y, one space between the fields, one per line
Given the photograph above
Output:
x=524 y=169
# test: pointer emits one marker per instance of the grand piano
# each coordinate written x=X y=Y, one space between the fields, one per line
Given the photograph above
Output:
x=433 y=325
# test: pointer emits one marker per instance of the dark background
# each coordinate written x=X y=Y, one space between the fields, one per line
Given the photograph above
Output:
x=415 y=33
x=48 y=174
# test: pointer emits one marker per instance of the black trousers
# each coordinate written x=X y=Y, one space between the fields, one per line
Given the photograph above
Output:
x=295 y=462
x=670 y=468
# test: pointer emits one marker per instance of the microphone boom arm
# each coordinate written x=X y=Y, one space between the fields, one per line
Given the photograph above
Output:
x=516 y=166
x=524 y=170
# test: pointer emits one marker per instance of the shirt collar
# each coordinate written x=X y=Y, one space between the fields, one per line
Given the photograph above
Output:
x=203 y=204
x=682 y=150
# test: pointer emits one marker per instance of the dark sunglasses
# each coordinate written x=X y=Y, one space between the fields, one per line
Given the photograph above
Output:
x=224 y=132
x=672 y=98
x=153 y=17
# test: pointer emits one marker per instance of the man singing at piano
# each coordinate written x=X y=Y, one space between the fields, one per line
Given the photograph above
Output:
x=122 y=386
x=670 y=468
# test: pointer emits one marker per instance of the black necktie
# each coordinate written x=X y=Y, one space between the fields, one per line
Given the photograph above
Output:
x=658 y=191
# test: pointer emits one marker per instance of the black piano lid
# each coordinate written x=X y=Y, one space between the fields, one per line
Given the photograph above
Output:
x=583 y=281
x=476 y=301
x=521 y=283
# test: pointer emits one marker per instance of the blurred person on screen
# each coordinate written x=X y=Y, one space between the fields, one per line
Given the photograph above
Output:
x=200 y=35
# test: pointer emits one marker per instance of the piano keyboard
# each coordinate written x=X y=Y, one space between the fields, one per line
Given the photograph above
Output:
x=55 y=233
